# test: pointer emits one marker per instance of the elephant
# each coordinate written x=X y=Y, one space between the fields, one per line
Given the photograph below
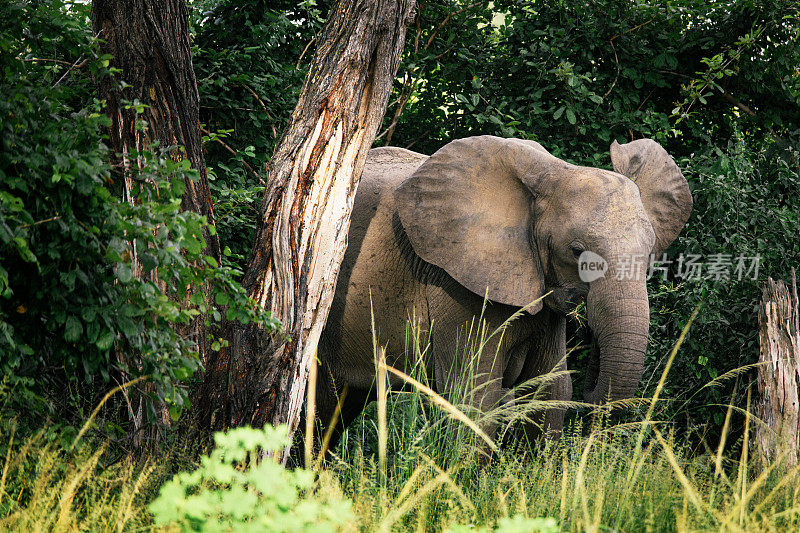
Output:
x=500 y=223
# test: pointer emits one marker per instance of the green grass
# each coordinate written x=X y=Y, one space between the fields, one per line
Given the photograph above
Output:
x=411 y=463
x=626 y=477
x=587 y=483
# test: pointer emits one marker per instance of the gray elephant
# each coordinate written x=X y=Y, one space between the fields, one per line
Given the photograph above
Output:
x=505 y=219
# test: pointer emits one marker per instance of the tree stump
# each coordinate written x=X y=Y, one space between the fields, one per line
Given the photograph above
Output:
x=778 y=374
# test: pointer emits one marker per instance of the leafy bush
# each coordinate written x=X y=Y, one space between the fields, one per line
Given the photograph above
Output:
x=236 y=488
x=745 y=204
x=71 y=309
x=577 y=75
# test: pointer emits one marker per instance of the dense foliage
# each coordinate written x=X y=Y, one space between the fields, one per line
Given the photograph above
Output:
x=249 y=80
x=71 y=311
x=716 y=83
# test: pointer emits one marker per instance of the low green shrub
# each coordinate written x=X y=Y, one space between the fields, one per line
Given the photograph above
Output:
x=238 y=488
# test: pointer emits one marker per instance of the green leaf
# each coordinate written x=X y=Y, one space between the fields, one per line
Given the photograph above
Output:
x=88 y=314
x=559 y=112
x=149 y=261
x=192 y=245
x=105 y=340
x=127 y=326
x=123 y=272
x=175 y=411
x=571 y=116
x=72 y=329
x=221 y=298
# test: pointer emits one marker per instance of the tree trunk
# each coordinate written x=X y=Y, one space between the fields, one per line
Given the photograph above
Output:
x=149 y=44
x=778 y=374
x=302 y=233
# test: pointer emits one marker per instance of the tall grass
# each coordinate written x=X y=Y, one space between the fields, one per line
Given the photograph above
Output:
x=438 y=472
x=46 y=488
x=420 y=461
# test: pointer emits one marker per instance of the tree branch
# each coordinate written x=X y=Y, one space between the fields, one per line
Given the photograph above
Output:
x=736 y=103
x=234 y=152
x=264 y=107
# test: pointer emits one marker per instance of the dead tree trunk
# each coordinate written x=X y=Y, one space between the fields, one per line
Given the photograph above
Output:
x=305 y=215
x=149 y=44
x=779 y=374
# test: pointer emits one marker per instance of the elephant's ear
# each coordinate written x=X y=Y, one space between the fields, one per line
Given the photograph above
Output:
x=665 y=192
x=467 y=209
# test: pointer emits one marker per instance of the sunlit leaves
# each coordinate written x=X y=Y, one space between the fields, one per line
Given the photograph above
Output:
x=236 y=488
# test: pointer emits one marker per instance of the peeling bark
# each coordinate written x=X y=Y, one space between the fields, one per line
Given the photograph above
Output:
x=778 y=375
x=305 y=215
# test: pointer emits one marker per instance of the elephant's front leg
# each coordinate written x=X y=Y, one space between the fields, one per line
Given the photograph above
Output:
x=547 y=354
x=471 y=376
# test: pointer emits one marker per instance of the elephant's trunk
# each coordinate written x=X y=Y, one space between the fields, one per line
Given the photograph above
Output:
x=619 y=316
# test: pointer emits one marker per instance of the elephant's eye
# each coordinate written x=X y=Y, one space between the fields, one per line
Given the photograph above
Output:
x=576 y=250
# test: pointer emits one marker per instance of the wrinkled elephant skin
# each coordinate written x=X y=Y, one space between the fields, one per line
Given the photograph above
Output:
x=430 y=236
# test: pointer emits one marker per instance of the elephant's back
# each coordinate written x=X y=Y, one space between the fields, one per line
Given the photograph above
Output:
x=374 y=208
x=388 y=166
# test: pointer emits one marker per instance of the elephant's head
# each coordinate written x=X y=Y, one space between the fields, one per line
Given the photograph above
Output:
x=507 y=219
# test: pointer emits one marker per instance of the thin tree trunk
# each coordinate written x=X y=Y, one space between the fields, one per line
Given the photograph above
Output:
x=149 y=44
x=302 y=233
x=779 y=374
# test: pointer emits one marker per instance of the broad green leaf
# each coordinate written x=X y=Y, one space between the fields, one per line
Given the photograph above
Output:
x=123 y=271
x=105 y=340
x=72 y=329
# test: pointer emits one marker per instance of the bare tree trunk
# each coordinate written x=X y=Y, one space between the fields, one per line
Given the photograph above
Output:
x=305 y=215
x=779 y=374
x=149 y=43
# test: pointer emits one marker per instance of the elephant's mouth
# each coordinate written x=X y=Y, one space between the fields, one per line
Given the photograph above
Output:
x=565 y=299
